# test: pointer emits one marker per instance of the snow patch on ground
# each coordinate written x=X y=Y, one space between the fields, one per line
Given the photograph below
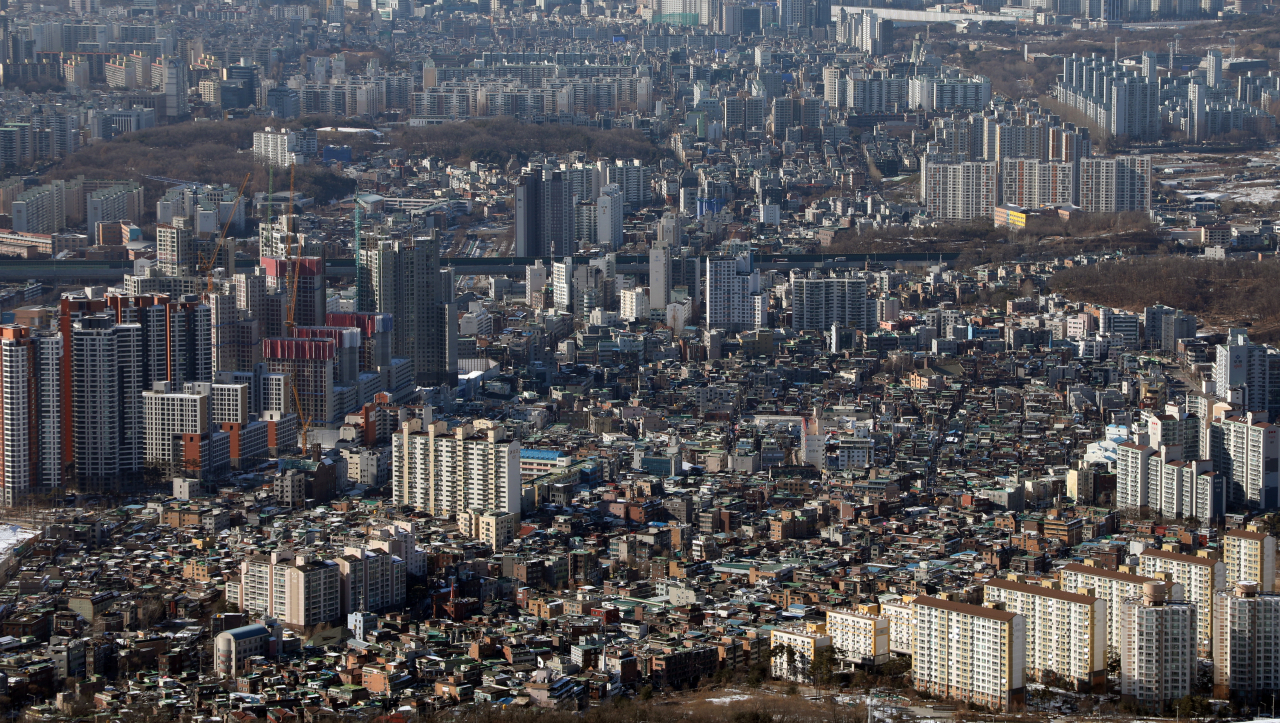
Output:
x=728 y=699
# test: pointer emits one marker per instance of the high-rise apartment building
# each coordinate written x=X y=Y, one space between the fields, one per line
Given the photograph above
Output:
x=958 y=190
x=610 y=211
x=859 y=638
x=284 y=148
x=544 y=214
x=735 y=301
x=178 y=435
x=1157 y=650
x=1245 y=640
x=1115 y=185
x=446 y=471
x=403 y=278
x=106 y=387
x=970 y=653
x=818 y=303
x=1118 y=98
x=370 y=580
x=175 y=248
x=1113 y=586
x=1032 y=182
x=30 y=424
x=1066 y=632
x=659 y=276
x=1250 y=556
x=1245 y=450
x=1248 y=373
x=1200 y=578
x=298 y=590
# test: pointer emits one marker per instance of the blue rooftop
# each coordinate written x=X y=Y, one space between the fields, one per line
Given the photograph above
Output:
x=547 y=454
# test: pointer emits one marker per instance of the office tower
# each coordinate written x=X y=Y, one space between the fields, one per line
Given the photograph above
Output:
x=1246 y=451
x=1113 y=587
x=404 y=279
x=816 y=304
x=860 y=639
x=298 y=590
x=30 y=423
x=659 y=276
x=445 y=471
x=1158 y=649
x=610 y=209
x=1114 y=185
x=970 y=653
x=178 y=438
x=1177 y=327
x=1153 y=325
x=370 y=580
x=1119 y=99
x=634 y=305
x=958 y=190
x=1248 y=374
x=1250 y=555
x=1200 y=578
x=1066 y=632
x=284 y=102
x=308 y=300
x=535 y=280
x=105 y=400
x=1246 y=623
x=1033 y=183
x=735 y=301
x=544 y=214
x=175 y=248
x=801 y=648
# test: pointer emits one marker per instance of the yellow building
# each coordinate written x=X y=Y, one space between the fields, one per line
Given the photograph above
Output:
x=795 y=667
x=1250 y=556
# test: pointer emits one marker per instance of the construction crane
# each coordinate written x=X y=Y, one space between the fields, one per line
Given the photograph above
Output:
x=207 y=264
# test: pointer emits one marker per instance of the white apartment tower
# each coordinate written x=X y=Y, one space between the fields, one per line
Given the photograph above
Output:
x=1246 y=638
x=735 y=301
x=1158 y=649
x=1113 y=586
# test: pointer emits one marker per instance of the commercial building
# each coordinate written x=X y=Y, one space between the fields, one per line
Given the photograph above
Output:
x=233 y=648
x=1200 y=578
x=1158 y=650
x=447 y=471
x=1066 y=632
x=969 y=653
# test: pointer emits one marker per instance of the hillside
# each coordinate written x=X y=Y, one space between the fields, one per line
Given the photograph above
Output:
x=498 y=140
x=203 y=152
x=1222 y=293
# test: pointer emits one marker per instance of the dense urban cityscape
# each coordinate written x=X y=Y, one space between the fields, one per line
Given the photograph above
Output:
x=772 y=362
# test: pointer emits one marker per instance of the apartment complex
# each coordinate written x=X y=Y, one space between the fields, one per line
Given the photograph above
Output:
x=1114 y=587
x=1200 y=578
x=1066 y=632
x=296 y=589
x=970 y=653
x=448 y=471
